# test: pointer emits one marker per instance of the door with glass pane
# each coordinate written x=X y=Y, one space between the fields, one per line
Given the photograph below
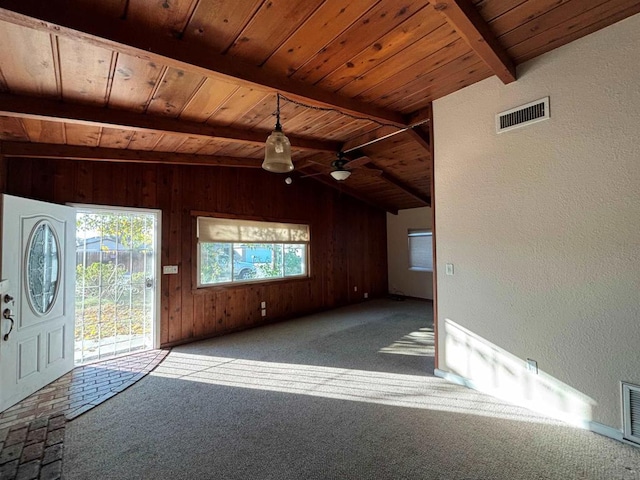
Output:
x=115 y=282
x=36 y=334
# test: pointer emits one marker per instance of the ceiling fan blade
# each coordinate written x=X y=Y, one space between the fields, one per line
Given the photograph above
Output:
x=312 y=174
x=370 y=171
x=358 y=162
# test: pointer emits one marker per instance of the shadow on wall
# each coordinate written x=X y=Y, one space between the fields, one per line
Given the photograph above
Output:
x=490 y=369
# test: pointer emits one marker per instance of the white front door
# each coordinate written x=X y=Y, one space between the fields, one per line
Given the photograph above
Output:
x=37 y=319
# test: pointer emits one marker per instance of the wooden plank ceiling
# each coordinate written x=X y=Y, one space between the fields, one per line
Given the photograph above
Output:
x=195 y=81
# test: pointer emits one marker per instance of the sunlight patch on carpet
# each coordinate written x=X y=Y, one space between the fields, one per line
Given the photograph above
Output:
x=409 y=391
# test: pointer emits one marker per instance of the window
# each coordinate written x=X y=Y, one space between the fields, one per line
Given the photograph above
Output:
x=420 y=250
x=232 y=251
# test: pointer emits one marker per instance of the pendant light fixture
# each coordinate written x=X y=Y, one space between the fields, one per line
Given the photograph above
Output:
x=277 y=154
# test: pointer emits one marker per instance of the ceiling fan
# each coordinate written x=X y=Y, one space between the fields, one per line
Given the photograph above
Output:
x=342 y=167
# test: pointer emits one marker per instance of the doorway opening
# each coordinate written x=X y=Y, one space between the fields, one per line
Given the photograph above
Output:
x=117 y=267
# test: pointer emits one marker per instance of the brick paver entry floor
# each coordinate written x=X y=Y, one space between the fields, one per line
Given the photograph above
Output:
x=32 y=431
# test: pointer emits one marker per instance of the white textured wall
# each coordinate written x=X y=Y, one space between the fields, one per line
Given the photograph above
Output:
x=401 y=279
x=543 y=223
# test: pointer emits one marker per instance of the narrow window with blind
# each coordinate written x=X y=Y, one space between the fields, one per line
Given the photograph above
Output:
x=240 y=251
x=420 y=250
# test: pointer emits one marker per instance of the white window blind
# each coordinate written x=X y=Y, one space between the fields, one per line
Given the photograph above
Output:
x=249 y=231
x=420 y=250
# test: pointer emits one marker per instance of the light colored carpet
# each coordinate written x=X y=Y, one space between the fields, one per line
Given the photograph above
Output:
x=346 y=394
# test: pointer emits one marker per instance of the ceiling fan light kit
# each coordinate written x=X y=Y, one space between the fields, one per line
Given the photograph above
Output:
x=277 y=154
x=340 y=174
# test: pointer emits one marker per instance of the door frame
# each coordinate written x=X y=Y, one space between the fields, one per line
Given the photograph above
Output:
x=157 y=249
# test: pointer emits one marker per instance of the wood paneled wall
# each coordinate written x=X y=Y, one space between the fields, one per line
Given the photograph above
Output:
x=348 y=244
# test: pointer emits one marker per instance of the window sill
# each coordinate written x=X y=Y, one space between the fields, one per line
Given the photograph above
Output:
x=262 y=283
x=417 y=269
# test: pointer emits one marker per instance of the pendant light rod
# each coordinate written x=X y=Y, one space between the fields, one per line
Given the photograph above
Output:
x=278 y=126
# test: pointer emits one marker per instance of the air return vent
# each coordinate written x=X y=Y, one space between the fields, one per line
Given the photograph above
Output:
x=523 y=115
x=631 y=412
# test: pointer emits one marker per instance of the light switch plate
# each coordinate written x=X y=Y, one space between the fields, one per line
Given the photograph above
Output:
x=170 y=269
x=449 y=268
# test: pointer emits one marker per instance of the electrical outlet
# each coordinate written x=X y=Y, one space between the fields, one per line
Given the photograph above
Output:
x=355 y=289
x=264 y=312
x=532 y=365
x=263 y=305
x=170 y=269
x=366 y=295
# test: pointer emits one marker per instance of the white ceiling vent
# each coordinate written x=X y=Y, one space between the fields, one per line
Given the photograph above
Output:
x=631 y=412
x=523 y=115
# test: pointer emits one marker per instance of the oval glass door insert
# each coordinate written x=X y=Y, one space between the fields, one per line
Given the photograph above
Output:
x=42 y=272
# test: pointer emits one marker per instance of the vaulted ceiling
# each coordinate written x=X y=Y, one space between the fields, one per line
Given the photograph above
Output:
x=195 y=81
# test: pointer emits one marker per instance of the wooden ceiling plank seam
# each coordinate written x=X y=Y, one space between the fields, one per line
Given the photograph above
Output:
x=405 y=96
x=521 y=15
x=474 y=76
x=225 y=34
x=370 y=27
x=374 y=59
x=24 y=129
x=192 y=96
x=73 y=152
x=99 y=136
x=409 y=101
x=463 y=16
x=250 y=118
x=284 y=40
x=340 y=21
x=51 y=110
x=602 y=21
x=4 y=87
x=492 y=9
x=55 y=55
x=175 y=89
x=208 y=115
x=112 y=73
x=189 y=17
x=379 y=91
x=250 y=19
x=154 y=90
x=166 y=50
x=541 y=24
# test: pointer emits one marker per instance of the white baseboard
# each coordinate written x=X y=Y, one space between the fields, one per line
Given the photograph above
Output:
x=585 y=424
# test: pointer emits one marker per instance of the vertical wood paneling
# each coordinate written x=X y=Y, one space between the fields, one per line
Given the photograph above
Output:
x=348 y=246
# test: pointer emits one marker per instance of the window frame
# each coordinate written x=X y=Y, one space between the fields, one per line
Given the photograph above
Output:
x=419 y=232
x=243 y=282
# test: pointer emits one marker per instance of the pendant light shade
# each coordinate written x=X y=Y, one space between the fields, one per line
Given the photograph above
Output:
x=277 y=154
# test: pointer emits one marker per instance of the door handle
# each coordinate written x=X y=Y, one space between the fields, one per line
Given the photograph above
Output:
x=6 y=313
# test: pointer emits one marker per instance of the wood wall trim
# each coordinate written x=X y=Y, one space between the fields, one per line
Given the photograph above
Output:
x=433 y=243
x=467 y=21
x=55 y=111
x=154 y=46
x=72 y=152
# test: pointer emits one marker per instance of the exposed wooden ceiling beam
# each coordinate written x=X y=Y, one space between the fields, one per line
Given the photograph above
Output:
x=408 y=189
x=72 y=152
x=365 y=162
x=341 y=187
x=384 y=133
x=158 y=47
x=55 y=111
x=467 y=21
